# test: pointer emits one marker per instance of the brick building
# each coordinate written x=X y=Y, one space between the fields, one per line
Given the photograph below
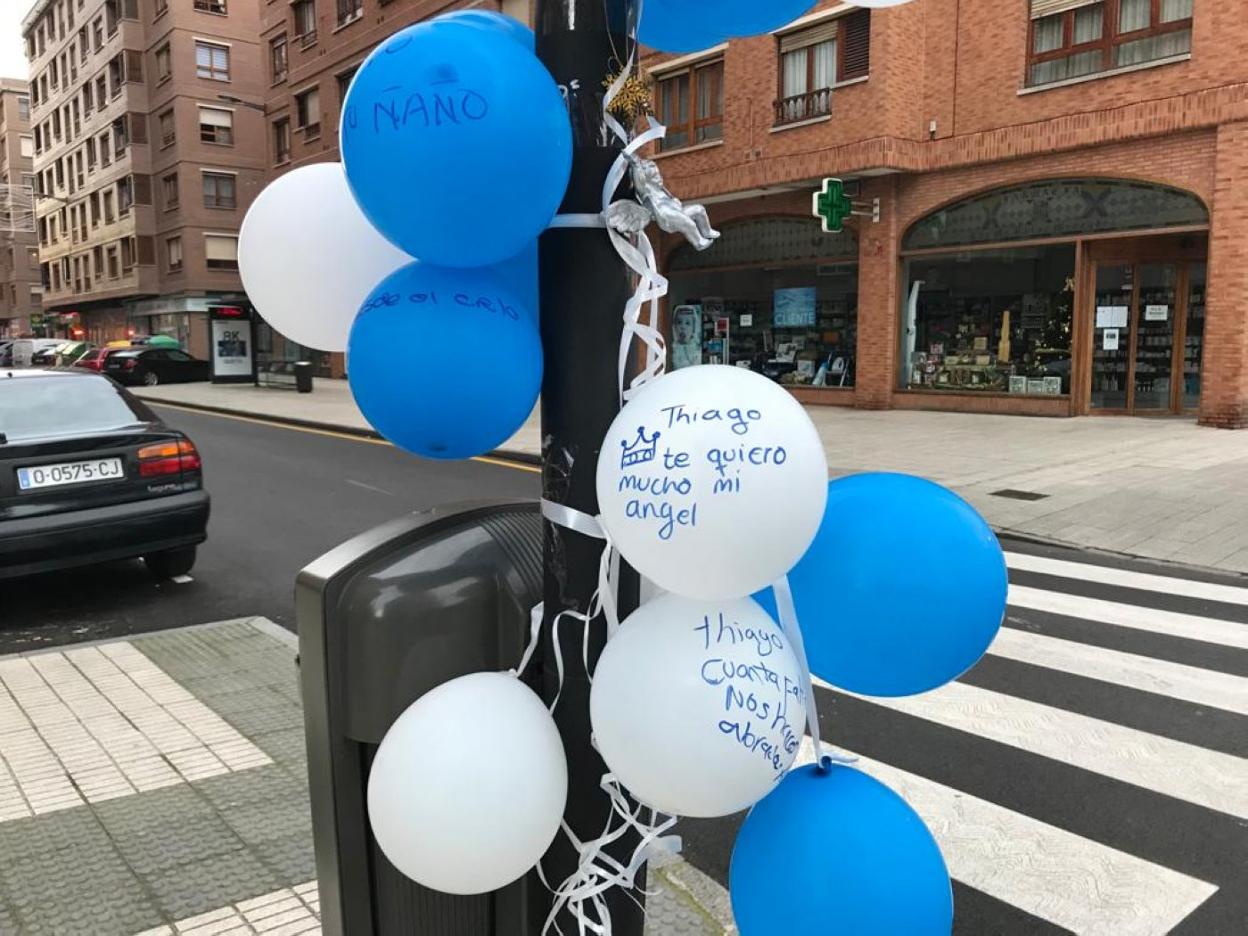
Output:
x=145 y=159
x=20 y=290
x=1062 y=189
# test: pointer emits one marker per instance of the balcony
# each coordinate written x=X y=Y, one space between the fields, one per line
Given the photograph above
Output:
x=800 y=107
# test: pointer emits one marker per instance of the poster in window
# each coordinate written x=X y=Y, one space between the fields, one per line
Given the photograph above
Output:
x=686 y=336
x=1156 y=313
x=795 y=308
x=1018 y=385
x=1112 y=316
x=230 y=355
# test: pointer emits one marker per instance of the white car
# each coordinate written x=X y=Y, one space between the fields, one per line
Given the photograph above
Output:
x=24 y=349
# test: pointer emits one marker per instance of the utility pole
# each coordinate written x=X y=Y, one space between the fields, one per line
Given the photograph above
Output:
x=584 y=288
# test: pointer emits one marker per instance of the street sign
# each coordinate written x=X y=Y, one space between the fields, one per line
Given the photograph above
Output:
x=832 y=206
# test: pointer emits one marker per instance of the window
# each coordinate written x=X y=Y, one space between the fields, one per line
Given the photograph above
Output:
x=109 y=215
x=162 y=6
x=305 y=22
x=814 y=60
x=28 y=147
x=97 y=34
x=279 y=54
x=168 y=128
x=281 y=141
x=344 y=82
x=114 y=262
x=211 y=6
x=1074 y=38
x=173 y=254
x=216 y=125
x=221 y=251
x=219 y=190
x=23 y=107
x=349 y=11
x=308 y=113
x=170 y=186
x=125 y=196
x=212 y=61
x=691 y=104
x=106 y=150
x=163 y=65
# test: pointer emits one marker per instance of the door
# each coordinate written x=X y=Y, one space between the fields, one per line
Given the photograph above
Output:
x=1142 y=359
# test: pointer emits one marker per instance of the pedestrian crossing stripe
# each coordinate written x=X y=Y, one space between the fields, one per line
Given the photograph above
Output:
x=1125 y=578
x=1055 y=875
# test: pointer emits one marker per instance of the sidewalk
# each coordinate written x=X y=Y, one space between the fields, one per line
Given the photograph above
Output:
x=1156 y=488
x=158 y=786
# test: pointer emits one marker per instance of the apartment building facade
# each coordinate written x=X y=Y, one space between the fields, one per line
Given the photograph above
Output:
x=146 y=157
x=21 y=292
x=1052 y=196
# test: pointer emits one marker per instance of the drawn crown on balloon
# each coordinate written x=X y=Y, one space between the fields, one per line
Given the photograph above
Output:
x=640 y=451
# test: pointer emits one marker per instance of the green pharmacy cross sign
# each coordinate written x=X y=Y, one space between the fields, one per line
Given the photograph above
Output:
x=832 y=206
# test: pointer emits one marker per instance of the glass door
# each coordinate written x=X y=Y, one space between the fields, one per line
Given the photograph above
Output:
x=1111 y=336
x=1154 y=337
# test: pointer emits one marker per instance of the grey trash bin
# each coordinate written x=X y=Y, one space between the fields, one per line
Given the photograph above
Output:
x=383 y=619
x=303 y=376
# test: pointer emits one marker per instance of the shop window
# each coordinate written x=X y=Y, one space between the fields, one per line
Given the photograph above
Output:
x=212 y=61
x=814 y=60
x=281 y=141
x=1194 y=337
x=1057 y=208
x=219 y=190
x=783 y=302
x=992 y=321
x=691 y=105
x=279 y=56
x=1074 y=38
x=216 y=125
x=221 y=251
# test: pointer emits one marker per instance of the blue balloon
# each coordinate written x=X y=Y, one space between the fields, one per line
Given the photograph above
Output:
x=902 y=590
x=492 y=20
x=456 y=143
x=837 y=851
x=690 y=25
x=446 y=363
x=520 y=272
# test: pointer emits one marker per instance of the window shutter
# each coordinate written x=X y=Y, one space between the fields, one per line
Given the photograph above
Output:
x=801 y=38
x=146 y=250
x=1040 y=8
x=134 y=65
x=856 y=45
x=215 y=117
x=218 y=247
x=142 y=189
x=138 y=128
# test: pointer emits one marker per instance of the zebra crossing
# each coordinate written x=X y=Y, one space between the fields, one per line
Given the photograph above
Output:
x=1090 y=774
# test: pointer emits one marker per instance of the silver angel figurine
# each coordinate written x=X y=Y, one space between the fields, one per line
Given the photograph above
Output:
x=656 y=203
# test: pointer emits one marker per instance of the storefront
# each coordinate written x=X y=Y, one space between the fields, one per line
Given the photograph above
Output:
x=776 y=295
x=1085 y=292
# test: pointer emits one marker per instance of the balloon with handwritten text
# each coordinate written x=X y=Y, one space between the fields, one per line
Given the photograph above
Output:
x=445 y=362
x=489 y=19
x=903 y=589
x=836 y=851
x=689 y=25
x=712 y=481
x=697 y=706
x=437 y=120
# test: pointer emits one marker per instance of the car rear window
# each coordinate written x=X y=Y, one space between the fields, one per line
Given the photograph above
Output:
x=48 y=407
x=92 y=354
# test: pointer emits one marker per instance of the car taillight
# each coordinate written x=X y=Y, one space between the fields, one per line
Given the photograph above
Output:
x=131 y=363
x=168 y=458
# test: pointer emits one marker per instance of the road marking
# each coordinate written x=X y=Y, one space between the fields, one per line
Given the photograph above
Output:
x=1173 y=768
x=369 y=487
x=1048 y=872
x=485 y=459
x=1165 y=584
x=1176 y=680
x=181 y=579
x=1172 y=623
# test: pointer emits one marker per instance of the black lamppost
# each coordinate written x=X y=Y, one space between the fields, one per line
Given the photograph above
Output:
x=584 y=288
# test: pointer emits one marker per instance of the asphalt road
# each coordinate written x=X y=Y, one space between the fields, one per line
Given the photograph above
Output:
x=280 y=498
x=1089 y=775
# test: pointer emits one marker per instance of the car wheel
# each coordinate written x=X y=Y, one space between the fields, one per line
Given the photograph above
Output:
x=150 y=379
x=171 y=563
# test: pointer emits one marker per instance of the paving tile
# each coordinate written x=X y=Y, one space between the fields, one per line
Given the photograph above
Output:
x=201 y=886
x=291 y=858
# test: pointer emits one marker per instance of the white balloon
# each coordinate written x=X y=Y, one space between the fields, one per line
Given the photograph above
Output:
x=712 y=482
x=309 y=258
x=469 y=785
x=697 y=706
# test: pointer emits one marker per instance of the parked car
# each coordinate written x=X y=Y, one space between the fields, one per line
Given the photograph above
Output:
x=46 y=356
x=95 y=358
x=152 y=366
x=24 y=349
x=6 y=353
x=89 y=474
x=67 y=354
